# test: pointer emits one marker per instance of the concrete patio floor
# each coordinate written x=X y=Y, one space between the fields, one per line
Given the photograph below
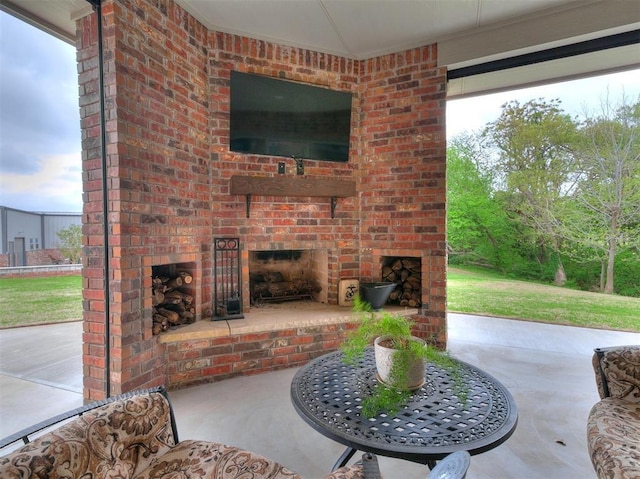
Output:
x=547 y=368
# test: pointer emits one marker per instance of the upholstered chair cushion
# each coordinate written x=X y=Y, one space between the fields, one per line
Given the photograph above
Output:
x=613 y=434
x=132 y=438
x=347 y=472
x=209 y=460
x=118 y=439
x=613 y=427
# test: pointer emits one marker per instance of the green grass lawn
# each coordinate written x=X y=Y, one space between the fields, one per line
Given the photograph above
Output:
x=26 y=301
x=480 y=292
x=52 y=299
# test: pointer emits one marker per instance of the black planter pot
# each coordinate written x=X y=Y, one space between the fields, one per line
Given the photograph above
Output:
x=376 y=294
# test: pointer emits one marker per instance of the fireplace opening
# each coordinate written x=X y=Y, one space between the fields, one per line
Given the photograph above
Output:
x=406 y=272
x=173 y=295
x=288 y=275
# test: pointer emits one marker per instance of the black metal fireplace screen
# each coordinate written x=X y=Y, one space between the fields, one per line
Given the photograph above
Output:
x=227 y=281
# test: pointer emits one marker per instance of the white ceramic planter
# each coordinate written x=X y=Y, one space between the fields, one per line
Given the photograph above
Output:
x=384 y=360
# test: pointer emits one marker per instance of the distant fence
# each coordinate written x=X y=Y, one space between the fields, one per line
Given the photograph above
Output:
x=46 y=270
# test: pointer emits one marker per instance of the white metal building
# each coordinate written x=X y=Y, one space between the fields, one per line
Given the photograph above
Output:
x=24 y=231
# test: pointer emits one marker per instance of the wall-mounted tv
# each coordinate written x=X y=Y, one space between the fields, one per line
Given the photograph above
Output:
x=270 y=116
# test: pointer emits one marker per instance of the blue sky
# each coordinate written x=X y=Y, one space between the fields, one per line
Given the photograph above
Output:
x=40 y=150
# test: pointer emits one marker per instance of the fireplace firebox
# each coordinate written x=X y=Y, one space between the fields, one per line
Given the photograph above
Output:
x=287 y=275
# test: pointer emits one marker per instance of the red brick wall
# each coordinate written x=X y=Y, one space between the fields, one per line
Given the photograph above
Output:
x=169 y=167
x=402 y=172
x=93 y=275
x=279 y=222
x=40 y=257
x=159 y=179
x=192 y=362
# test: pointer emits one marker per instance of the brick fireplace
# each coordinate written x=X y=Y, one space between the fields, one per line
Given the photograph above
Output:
x=173 y=187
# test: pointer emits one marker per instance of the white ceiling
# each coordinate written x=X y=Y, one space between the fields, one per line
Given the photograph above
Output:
x=468 y=32
x=357 y=28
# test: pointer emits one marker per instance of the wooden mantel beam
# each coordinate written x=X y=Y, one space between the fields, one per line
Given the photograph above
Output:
x=292 y=186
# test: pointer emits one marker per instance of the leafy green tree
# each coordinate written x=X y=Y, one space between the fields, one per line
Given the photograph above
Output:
x=534 y=143
x=477 y=225
x=71 y=243
x=607 y=211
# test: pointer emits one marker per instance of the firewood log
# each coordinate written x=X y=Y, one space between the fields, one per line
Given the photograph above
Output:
x=283 y=288
x=260 y=289
x=158 y=318
x=415 y=281
x=179 y=295
x=171 y=316
x=412 y=264
x=169 y=300
x=186 y=277
x=174 y=283
x=157 y=298
x=158 y=284
x=177 y=307
x=273 y=277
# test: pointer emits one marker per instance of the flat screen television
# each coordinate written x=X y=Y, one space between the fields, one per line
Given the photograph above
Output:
x=271 y=116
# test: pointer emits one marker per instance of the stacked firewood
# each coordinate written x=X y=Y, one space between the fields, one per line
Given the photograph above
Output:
x=271 y=286
x=171 y=305
x=406 y=272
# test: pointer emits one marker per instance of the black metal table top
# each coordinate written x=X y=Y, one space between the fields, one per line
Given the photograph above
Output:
x=327 y=394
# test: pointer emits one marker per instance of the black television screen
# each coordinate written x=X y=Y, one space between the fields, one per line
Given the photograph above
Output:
x=270 y=116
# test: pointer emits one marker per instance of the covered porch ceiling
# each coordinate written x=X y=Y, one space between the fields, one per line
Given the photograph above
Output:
x=486 y=45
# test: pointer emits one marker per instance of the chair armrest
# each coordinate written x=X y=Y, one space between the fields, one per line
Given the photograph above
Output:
x=617 y=371
x=27 y=434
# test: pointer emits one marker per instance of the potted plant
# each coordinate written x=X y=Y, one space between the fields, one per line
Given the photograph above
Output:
x=400 y=357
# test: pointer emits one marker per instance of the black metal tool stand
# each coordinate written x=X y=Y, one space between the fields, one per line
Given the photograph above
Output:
x=227 y=279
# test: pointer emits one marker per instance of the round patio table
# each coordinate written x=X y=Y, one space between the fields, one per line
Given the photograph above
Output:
x=437 y=421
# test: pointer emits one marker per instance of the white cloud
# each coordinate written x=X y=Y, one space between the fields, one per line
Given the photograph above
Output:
x=40 y=161
x=56 y=186
x=576 y=96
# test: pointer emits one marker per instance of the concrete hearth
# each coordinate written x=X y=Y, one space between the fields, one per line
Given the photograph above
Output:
x=272 y=317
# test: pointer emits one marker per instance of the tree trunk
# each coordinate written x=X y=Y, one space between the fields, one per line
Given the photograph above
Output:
x=611 y=253
x=561 y=276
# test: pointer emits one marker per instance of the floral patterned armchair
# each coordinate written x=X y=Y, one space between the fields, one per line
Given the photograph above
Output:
x=613 y=428
x=134 y=436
